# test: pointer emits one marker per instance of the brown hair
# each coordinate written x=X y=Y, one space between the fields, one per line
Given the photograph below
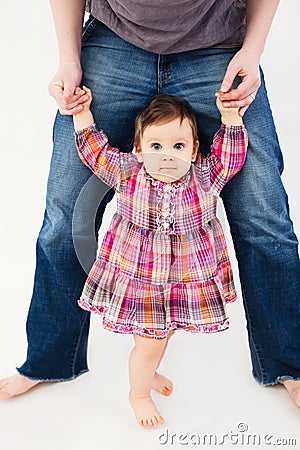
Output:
x=162 y=109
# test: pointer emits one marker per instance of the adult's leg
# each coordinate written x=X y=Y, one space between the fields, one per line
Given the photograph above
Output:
x=257 y=209
x=122 y=79
x=267 y=251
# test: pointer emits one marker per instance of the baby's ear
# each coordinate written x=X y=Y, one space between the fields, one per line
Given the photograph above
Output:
x=195 y=151
x=138 y=153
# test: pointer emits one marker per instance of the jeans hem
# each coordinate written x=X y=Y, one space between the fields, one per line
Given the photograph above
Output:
x=73 y=377
x=277 y=379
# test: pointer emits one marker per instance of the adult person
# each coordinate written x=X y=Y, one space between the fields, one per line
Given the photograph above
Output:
x=134 y=51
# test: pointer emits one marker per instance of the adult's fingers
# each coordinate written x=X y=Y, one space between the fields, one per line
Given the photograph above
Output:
x=70 y=112
x=244 y=108
x=69 y=93
x=67 y=103
x=245 y=88
x=76 y=101
x=241 y=104
x=55 y=89
x=229 y=77
x=64 y=94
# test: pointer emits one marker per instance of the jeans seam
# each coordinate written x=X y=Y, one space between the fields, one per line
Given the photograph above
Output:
x=259 y=359
x=87 y=31
x=73 y=359
x=162 y=75
x=257 y=352
x=158 y=73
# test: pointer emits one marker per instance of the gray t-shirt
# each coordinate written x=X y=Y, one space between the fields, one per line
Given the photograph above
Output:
x=171 y=26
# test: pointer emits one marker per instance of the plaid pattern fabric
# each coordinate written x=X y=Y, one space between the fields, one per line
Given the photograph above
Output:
x=227 y=156
x=149 y=282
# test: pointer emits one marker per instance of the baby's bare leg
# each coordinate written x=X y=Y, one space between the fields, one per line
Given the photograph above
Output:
x=160 y=383
x=143 y=361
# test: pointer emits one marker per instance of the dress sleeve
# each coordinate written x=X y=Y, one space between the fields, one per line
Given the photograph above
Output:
x=226 y=157
x=108 y=163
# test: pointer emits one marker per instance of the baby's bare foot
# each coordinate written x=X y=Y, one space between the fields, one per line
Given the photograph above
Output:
x=162 y=384
x=145 y=411
x=293 y=388
x=15 y=385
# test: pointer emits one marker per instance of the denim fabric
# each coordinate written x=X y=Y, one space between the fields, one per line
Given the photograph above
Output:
x=122 y=78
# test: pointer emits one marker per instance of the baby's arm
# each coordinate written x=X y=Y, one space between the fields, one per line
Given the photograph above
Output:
x=228 y=151
x=108 y=163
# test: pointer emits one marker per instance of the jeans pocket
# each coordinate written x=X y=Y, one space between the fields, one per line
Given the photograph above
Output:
x=88 y=28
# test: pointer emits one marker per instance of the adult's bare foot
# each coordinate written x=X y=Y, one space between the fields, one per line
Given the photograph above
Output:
x=15 y=385
x=293 y=388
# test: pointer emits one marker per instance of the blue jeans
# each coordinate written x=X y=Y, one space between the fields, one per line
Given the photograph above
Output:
x=122 y=78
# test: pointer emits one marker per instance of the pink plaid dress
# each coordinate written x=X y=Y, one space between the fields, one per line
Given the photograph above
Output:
x=163 y=263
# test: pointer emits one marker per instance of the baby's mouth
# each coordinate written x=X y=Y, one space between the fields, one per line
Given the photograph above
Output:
x=167 y=168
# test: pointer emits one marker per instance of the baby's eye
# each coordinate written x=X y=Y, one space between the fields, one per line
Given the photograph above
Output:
x=156 y=146
x=178 y=146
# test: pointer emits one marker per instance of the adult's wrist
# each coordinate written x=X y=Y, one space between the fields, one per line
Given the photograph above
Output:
x=66 y=62
x=254 y=50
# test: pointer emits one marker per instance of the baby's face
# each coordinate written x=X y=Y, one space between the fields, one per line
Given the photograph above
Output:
x=168 y=149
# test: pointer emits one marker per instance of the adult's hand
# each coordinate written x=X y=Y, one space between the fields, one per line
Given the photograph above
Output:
x=64 y=88
x=245 y=65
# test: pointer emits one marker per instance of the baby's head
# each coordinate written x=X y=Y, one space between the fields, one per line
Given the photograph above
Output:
x=166 y=137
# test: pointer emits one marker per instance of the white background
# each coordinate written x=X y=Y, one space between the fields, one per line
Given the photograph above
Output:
x=214 y=389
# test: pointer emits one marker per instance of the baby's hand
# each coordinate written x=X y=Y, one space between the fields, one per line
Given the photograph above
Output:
x=230 y=116
x=87 y=99
x=226 y=110
x=84 y=118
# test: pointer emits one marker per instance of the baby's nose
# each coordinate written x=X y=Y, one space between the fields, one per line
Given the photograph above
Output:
x=168 y=157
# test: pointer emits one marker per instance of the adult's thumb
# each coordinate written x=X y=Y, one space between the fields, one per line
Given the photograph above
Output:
x=68 y=91
x=228 y=80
